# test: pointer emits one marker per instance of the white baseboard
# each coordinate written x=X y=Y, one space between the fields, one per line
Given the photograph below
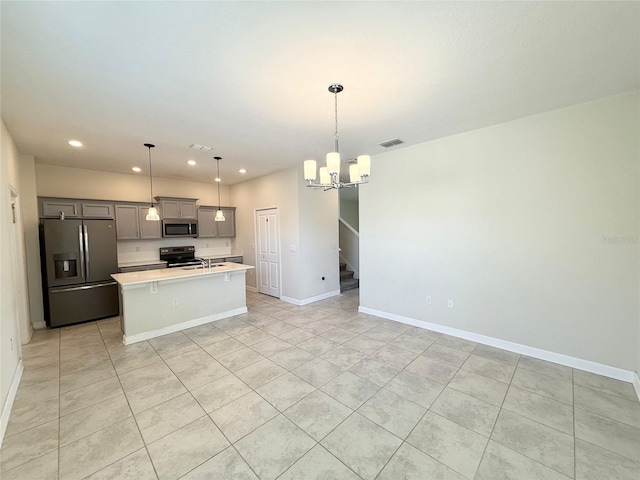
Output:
x=39 y=325
x=309 y=300
x=252 y=289
x=11 y=396
x=140 y=337
x=636 y=384
x=579 y=363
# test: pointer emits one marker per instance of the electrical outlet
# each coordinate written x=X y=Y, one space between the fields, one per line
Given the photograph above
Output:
x=450 y=303
x=428 y=299
x=11 y=343
x=175 y=302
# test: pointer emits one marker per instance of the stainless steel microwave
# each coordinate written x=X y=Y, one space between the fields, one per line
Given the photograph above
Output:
x=179 y=228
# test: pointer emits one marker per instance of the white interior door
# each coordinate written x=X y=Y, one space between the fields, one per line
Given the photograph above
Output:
x=268 y=252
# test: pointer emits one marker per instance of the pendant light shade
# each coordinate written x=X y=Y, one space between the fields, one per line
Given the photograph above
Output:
x=219 y=214
x=152 y=214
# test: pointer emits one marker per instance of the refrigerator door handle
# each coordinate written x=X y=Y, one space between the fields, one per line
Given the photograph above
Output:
x=86 y=250
x=83 y=287
x=81 y=243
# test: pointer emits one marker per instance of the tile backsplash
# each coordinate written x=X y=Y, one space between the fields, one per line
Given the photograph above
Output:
x=147 y=250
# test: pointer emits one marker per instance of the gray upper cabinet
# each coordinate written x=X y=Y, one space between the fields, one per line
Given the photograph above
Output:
x=206 y=224
x=127 y=224
x=227 y=229
x=97 y=210
x=209 y=228
x=148 y=229
x=132 y=225
x=177 y=207
x=57 y=208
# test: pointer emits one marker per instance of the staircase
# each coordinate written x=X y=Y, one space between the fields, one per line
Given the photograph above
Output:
x=347 y=282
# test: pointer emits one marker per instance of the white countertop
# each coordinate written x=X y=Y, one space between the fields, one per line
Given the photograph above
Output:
x=140 y=263
x=160 y=275
x=222 y=255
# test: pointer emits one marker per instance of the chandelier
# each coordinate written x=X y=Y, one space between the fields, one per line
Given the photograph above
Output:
x=330 y=175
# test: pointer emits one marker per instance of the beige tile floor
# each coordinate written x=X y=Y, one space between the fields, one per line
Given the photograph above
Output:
x=314 y=392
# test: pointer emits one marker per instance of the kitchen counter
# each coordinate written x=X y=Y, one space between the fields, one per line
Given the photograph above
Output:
x=141 y=263
x=132 y=278
x=223 y=255
x=159 y=302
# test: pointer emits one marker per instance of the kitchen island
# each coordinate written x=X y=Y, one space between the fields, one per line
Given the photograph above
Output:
x=158 y=302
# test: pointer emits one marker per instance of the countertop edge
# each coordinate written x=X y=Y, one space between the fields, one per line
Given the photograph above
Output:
x=167 y=274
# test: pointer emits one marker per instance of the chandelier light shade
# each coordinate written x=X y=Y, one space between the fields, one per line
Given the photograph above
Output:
x=219 y=214
x=152 y=214
x=330 y=175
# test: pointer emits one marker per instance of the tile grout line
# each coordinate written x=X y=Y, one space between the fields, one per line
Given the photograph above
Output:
x=144 y=444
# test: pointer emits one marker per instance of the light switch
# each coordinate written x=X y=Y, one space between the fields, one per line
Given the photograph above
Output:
x=292 y=248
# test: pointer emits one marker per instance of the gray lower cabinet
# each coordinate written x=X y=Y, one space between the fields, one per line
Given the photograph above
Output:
x=132 y=225
x=209 y=228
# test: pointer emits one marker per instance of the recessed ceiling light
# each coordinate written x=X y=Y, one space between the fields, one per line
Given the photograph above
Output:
x=243 y=170
x=217 y=179
x=75 y=143
x=136 y=169
x=192 y=162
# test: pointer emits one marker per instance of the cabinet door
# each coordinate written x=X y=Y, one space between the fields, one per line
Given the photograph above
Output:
x=170 y=209
x=127 y=227
x=53 y=209
x=148 y=228
x=206 y=225
x=187 y=210
x=227 y=229
x=97 y=210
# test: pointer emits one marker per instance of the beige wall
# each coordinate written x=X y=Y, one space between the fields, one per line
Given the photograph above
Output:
x=276 y=190
x=308 y=222
x=32 y=242
x=349 y=211
x=55 y=181
x=531 y=227
x=318 y=253
x=14 y=312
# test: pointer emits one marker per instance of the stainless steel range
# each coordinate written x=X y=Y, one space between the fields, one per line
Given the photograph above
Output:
x=180 y=256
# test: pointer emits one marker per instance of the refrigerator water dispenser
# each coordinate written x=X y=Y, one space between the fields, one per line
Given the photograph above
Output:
x=65 y=265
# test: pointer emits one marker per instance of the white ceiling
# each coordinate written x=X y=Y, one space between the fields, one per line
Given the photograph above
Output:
x=250 y=78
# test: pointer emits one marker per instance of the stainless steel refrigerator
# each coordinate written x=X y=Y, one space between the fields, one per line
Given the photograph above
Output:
x=78 y=258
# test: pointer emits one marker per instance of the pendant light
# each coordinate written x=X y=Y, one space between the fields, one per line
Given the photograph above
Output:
x=219 y=214
x=330 y=175
x=152 y=214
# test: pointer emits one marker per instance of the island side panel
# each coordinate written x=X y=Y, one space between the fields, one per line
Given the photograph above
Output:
x=200 y=299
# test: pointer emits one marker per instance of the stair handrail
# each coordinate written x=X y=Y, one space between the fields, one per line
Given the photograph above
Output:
x=346 y=224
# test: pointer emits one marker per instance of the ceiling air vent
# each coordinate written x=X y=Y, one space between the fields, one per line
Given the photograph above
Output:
x=391 y=143
x=204 y=148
